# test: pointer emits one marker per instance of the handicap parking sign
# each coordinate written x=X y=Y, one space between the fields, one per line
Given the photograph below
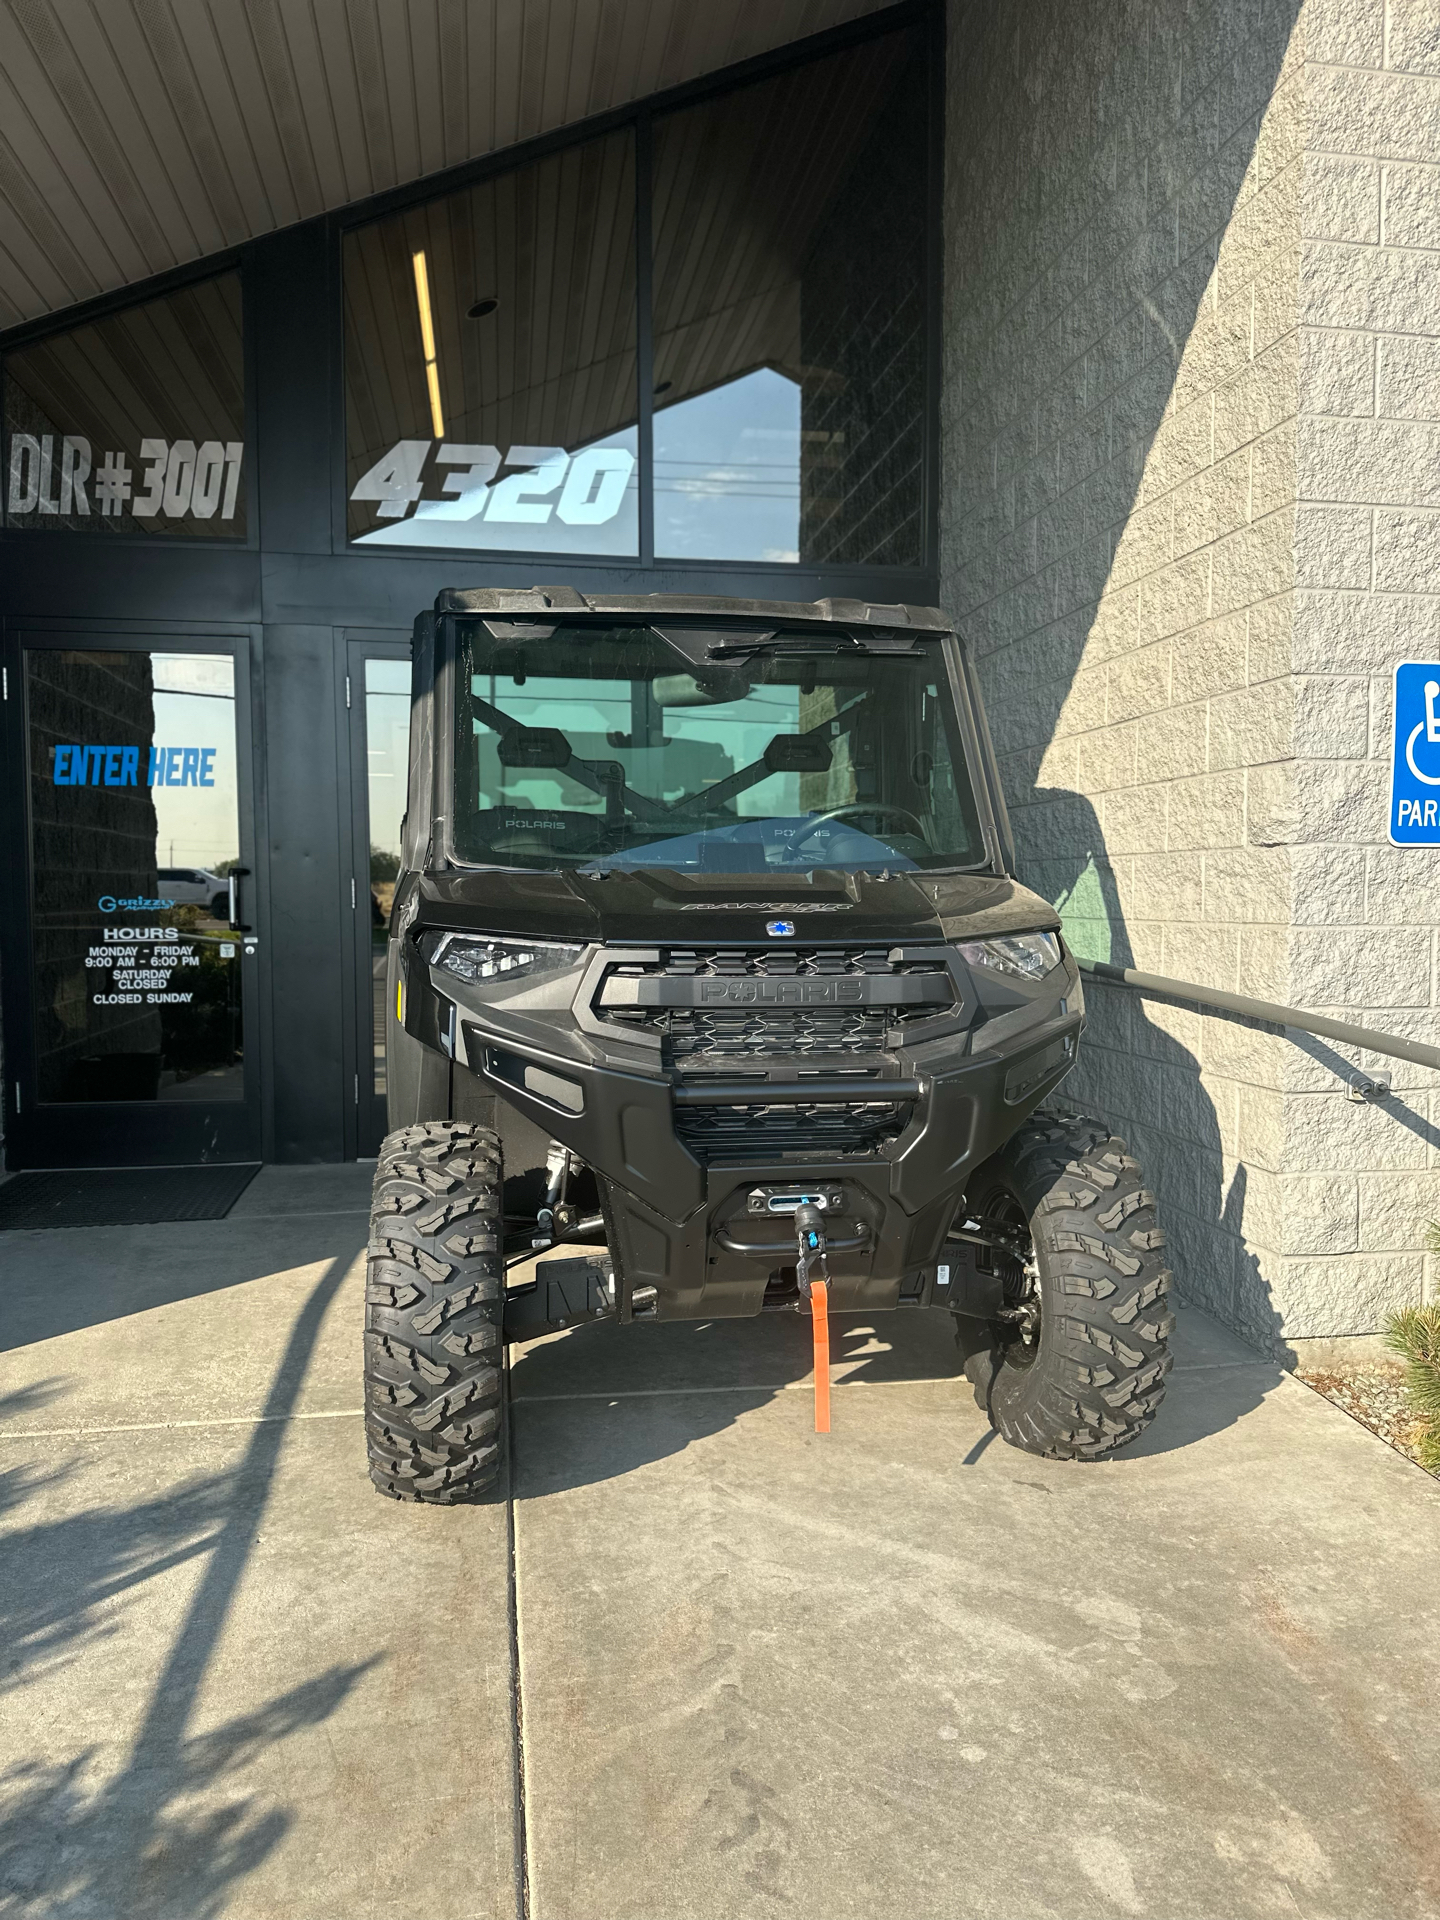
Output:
x=1415 y=756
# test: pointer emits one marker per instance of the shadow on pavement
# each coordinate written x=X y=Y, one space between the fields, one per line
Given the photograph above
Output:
x=706 y=1374
x=62 y=1280
x=69 y=1849
x=1202 y=1402
x=72 y=1845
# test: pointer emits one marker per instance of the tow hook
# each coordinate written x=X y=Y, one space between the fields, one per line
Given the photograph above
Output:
x=810 y=1244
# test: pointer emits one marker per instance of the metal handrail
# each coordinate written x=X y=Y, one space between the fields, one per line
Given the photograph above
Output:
x=1268 y=1010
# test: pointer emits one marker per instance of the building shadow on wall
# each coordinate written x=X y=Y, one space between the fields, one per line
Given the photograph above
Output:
x=1117 y=205
x=1138 y=1074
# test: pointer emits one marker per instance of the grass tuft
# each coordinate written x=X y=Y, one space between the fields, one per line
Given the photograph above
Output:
x=1414 y=1333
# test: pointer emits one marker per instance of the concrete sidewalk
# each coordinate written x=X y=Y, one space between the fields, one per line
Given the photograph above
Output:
x=902 y=1670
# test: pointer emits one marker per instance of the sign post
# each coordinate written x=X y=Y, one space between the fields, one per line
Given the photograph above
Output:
x=1415 y=756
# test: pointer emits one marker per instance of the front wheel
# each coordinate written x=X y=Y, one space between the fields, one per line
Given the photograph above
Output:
x=434 y=1300
x=1078 y=1363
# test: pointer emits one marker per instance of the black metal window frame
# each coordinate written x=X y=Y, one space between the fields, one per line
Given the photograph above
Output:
x=639 y=118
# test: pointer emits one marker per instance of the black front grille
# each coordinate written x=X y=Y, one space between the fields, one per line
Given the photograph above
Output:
x=712 y=1004
x=760 y=1133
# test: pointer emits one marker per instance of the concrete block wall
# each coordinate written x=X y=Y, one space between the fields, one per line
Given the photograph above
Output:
x=1157 y=356
x=1367 y=594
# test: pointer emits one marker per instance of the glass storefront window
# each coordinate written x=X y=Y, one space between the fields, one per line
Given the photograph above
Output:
x=387 y=761
x=134 y=423
x=490 y=363
x=134 y=828
x=789 y=228
x=491 y=359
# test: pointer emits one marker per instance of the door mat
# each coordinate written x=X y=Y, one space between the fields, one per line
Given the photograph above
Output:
x=120 y=1196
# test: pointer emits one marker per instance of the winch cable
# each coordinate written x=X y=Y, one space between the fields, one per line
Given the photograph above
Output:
x=810 y=1241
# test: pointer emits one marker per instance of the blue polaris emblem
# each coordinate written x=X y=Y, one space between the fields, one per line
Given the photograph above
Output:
x=780 y=929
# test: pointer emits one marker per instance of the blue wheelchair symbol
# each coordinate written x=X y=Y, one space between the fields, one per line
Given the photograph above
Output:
x=1415 y=756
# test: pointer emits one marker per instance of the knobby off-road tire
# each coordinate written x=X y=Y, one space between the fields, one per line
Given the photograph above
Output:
x=434 y=1300
x=1093 y=1375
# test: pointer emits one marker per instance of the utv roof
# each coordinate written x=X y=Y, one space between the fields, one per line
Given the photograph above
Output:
x=539 y=600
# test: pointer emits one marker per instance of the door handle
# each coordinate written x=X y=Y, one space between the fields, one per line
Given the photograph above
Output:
x=236 y=874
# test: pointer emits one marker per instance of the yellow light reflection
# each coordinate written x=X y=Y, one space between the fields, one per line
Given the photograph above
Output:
x=427 y=341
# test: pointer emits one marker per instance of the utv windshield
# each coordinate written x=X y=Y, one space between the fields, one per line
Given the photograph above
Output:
x=605 y=748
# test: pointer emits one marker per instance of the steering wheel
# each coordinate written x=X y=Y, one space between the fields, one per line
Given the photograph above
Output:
x=871 y=810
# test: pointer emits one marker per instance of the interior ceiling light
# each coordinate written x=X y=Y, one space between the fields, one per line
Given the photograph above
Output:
x=482 y=307
x=427 y=341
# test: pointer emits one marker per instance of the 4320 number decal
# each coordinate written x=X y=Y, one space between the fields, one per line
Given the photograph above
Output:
x=583 y=489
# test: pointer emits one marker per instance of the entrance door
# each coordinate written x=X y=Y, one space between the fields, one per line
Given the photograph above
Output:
x=379 y=691
x=131 y=998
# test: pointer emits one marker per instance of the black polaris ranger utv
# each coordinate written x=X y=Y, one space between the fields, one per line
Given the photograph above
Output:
x=706 y=958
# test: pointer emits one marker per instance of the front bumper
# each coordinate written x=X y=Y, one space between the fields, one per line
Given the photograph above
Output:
x=892 y=1137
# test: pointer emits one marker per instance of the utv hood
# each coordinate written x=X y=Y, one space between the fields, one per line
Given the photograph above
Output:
x=659 y=906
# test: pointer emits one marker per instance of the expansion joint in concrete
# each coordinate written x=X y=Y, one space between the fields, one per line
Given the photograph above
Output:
x=517 y=1699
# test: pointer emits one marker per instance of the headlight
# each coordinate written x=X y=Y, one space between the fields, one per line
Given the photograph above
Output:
x=1026 y=956
x=476 y=960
